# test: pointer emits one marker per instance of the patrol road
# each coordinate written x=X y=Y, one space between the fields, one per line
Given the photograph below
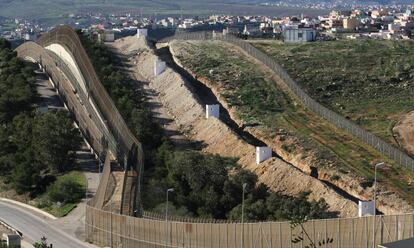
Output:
x=33 y=227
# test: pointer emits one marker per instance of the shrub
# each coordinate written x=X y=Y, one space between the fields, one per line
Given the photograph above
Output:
x=66 y=189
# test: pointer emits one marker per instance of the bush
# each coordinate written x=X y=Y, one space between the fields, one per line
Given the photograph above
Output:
x=66 y=189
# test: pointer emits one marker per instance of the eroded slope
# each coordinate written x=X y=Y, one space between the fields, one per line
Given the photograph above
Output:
x=249 y=92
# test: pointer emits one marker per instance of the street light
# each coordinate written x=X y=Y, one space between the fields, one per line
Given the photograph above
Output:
x=242 y=215
x=166 y=215
x=166 y=206
x=86 y=189
x=375 y=203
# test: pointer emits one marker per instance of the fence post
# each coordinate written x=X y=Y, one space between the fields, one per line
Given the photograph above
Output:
x=326 y=232
x=339 y=233
x=112 y=244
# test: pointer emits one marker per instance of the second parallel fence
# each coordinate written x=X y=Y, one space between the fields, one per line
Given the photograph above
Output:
x=339 y=121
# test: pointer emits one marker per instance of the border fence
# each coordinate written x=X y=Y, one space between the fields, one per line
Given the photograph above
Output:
x=339 y=121
x=105 y=228
x=114 y=230
x=111 y=133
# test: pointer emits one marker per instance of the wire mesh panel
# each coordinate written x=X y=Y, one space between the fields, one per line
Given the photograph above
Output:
x=339 y=121
x=109 y=229
x=114 y=230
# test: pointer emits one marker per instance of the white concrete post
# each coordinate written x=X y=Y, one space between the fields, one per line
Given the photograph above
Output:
x=263 y=153
x=142 y=32
x=366 y=208
x=159 y=67
x=212 y=111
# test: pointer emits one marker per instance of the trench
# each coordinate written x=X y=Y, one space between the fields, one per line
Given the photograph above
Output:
x=206 y=96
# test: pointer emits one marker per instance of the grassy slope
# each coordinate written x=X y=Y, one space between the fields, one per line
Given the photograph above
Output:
x=369 y=81
x=60 y=210
x=35 y=8
x=260 y=100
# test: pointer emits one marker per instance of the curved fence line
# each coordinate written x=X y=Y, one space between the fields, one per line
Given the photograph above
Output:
x=339 y=121
x=66 y=93
x=129 y=151
x=114 y=132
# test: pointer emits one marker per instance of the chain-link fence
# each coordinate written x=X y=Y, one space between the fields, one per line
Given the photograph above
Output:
x=339 y=121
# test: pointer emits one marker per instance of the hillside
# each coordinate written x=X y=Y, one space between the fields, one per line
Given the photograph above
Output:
x=260 y=103
x=369 y=81
x=36 y=8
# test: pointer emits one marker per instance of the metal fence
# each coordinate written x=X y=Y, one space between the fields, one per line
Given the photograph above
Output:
x=339 y=121
x=129 y=151
x=110 y=229
x=114 y=133
x=114 y=230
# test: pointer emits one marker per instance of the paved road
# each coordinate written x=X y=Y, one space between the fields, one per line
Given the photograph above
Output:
x=34 y=227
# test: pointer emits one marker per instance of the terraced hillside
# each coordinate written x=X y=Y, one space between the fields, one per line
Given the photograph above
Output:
x=260 y=103
x=369 y=81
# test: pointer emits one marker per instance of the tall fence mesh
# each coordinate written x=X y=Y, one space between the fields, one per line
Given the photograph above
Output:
x=339 y=121
x=110 y=229
x=114 y=133
x=113 y=230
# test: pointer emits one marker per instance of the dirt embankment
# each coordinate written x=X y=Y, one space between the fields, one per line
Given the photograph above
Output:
x=177 y=98
x=404 y=132
x=388 y=202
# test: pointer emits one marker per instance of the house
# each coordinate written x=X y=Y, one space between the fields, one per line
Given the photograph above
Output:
x=231 y=30
x=293 y=34
x=350 y=23
x=251 y=30
x=12 y=240
x=106 y=36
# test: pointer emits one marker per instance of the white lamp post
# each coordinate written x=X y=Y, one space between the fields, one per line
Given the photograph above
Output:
x=375 y=199
x=242 y=216
x=166 y=215
x=166 y=206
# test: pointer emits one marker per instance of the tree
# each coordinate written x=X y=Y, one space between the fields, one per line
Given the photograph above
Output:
x=55 y=139
x=304 y=235
x=26 y=174
x=42 y=243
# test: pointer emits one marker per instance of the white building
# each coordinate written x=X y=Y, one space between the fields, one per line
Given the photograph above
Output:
x=263 y=154
x=142 y=32
x=109 y=36
x=159 y=67
x=296 y=35
x=213 y=111
x=366 y=208
x=393 y=28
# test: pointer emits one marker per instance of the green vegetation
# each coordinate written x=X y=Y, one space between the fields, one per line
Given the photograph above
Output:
x=210 y=186
x=264 y=104
x=129 y=100
x=205 y=186
x=35 y=148
x=42 y=243
x=368 y=81
x=67 y=189
x=63 y=194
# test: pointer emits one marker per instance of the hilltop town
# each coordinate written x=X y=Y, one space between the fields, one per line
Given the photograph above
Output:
x=375 y=23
